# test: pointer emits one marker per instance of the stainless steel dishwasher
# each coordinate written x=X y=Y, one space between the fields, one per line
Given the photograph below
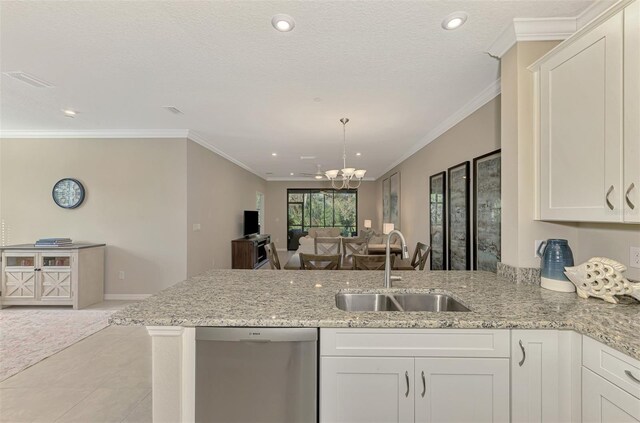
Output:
x=247 y=375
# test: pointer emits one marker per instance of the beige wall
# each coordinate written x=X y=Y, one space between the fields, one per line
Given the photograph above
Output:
x=218 y=192
x=518 y=227
x=478 y=134
x=136 y=203
x=276 y=206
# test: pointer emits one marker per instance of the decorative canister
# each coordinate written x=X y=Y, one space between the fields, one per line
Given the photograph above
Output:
x=556 y=256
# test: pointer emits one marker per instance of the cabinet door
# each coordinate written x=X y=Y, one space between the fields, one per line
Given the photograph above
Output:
x=366 y=389
x=55 y=276
x=631 y=184
x=603 y=402
x=462 y=390
x=581 y=122
x=535 y=392
x=19 y=276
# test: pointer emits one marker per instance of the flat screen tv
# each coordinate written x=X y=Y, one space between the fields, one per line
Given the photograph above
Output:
x=251 y=222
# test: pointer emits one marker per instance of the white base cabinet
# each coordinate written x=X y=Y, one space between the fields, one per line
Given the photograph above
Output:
x=545 y=376
x=414 y=375
x=367 y=389
x=604 y=402
x=461 y=390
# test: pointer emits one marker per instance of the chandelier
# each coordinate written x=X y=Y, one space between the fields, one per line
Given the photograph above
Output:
x=343 y=178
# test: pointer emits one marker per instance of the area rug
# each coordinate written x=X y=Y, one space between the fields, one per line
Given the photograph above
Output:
x=29 y=335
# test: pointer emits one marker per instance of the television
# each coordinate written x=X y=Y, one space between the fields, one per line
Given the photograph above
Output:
x=251 y=222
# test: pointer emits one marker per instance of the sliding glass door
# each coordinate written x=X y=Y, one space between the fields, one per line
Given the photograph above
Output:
x=316 y=208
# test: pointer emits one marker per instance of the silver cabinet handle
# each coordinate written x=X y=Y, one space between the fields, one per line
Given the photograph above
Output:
x=631 y=376
x=524 y=355
x=607 y=197
x=406 y=375
x=424 y=385
x=626 y=196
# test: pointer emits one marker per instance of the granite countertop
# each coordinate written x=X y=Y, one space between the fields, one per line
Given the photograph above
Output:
x=307 y=299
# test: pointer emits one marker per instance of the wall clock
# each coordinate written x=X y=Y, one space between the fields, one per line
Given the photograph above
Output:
x=68 y=193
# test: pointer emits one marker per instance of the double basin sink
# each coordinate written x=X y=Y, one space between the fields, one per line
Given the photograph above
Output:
x=402 y=302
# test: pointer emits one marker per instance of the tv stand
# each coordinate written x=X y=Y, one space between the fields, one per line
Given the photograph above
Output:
x=248 y=252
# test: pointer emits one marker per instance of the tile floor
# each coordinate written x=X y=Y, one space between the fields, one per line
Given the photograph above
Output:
x=106 y=377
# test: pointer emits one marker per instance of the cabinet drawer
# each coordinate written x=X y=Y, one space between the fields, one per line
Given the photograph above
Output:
x=415 y=342
x=612 y=365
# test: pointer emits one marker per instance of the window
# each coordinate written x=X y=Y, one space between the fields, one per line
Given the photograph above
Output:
x=316 y=208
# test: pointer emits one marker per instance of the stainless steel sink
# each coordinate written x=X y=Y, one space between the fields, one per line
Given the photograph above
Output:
x=397 y=302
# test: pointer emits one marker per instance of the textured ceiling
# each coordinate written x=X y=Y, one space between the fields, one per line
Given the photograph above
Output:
x=248 y=89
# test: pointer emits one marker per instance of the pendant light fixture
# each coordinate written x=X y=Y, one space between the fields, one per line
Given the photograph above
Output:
x=348 y=177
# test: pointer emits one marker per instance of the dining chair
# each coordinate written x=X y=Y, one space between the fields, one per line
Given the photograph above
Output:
x=420 y=256
x=272 y=255
x=327 y=245
x=370 y=262
x=320 y=261
x=351 y=246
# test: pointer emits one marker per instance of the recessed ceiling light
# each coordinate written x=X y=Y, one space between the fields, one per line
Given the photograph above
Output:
x=69 y=113
x=454 y=20
x=291 y=174
x=274 y=154
x=358 y=154
x=318 y=177
x=283 y=23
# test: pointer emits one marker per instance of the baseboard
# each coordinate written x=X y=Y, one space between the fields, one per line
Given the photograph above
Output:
x=130 y=297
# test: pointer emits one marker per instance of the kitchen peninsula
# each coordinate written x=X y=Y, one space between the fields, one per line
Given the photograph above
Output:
x=566 y=335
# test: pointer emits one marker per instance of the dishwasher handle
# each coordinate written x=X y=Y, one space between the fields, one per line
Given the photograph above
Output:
x=249 y=334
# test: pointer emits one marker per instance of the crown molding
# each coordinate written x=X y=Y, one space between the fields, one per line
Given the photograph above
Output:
x=199 y=139
x=308 y=179
x=488 y=94
x=96 y=133
x=532 y=29
x=594 y=10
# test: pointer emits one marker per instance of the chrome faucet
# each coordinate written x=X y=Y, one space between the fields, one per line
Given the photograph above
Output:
x=387 y=264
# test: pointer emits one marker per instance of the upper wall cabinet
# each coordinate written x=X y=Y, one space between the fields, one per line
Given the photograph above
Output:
x=588 y=154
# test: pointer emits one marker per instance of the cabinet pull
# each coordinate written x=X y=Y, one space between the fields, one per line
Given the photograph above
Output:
x=626 y=196
x=424 y=385
x=631 y=376
x=406 y=375
x=524 y=355
x=607 y=197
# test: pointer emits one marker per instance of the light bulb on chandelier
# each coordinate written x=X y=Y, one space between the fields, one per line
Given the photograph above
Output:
x=343 y=178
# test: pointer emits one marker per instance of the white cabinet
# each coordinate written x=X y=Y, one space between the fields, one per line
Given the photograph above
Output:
x=407 y=375
x=588 y=117
x=631 y=178
x=461 y=390
x=545 y=376
x=604 y=402
x=61 y=276
x=366 y=389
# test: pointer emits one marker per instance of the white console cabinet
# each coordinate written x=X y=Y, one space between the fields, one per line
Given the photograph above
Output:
x=52 y=276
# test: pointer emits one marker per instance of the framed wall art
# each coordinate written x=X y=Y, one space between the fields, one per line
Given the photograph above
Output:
x=458 y=218
x=386 y=193
x=487 y=209
x=438 y=220
x=394 y=200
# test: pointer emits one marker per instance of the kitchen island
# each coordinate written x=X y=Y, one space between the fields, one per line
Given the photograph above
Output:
x=239 y=298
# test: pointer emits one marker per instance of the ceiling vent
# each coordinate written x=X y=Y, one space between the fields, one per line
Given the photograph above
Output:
x=307 y=157
x=173 y=110
x=28 y=79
